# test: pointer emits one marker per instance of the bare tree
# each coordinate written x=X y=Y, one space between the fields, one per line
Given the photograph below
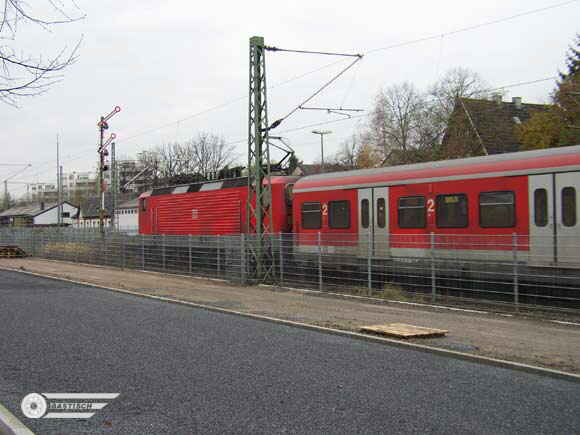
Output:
x=408 y=126
x=345 y=157
x=25 y=74
x=395 y=122
x=456 y=83
x=210 y=154
x=197 y=159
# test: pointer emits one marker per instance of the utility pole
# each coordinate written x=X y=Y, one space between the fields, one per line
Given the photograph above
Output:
x=321 y=133
x=259 y=187
x=58 y=174
x=102 y=150
x=61 y=199
x=114 y=185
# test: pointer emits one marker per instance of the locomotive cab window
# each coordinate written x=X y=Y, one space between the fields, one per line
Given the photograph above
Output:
x=143 y=205
x=497 y=209
x=339 y=214
x=311 y=216
x=451 y=211
x=411 y=212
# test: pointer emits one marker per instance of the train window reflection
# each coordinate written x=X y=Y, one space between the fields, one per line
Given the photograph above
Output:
x=541 y=207
x=411 y=212
x=364 y=213
x=497 y=209
x=339 y=214
x=569 y=206
x=311 y=216
x=381 y=213
x=451 y=211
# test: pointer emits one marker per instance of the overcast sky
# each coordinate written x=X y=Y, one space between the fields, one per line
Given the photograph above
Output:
x=164 y=61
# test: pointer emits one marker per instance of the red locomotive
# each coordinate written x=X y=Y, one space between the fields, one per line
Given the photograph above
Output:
x=209 y=208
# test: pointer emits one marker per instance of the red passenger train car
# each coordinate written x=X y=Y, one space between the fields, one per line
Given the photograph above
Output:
x=475 y=205
x=209 y=208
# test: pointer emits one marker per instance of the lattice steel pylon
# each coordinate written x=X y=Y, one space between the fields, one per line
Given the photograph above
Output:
x=258 y=214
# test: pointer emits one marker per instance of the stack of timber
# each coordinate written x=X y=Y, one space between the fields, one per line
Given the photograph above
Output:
x=11 y=251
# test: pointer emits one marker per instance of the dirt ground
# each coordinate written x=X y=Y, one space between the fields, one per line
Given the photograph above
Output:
x=514 y=338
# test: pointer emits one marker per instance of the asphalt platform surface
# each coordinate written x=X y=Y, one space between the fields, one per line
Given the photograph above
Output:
x=183 y=370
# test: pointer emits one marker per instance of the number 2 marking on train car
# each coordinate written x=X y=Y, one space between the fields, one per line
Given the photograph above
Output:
x=430 y=206
x=324 y=209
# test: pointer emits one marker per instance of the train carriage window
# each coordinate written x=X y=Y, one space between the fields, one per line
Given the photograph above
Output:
x=311 y=216
x=451 y=211
x=497 y=209
x=339 y=214
x=411 y=212
x=541 y=207
x=569 y=206
x=381 y=213
x=364 y=213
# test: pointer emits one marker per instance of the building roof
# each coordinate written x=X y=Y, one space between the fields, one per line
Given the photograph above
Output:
x=91 y=206
x=31 y=210
x=131 y=203
x=494 y=121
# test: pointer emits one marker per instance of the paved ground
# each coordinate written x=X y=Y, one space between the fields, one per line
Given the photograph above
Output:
x=183 y=370
x=512 y=338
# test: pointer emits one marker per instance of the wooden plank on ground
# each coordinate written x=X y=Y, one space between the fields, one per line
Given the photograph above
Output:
x=402 y=330
x=9 y=251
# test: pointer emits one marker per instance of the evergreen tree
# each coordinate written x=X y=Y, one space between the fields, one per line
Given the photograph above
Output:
x=572 y=60
x=560 y=126
x=567 y=97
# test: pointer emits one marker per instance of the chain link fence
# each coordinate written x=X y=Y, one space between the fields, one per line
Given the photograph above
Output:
x=509 y=270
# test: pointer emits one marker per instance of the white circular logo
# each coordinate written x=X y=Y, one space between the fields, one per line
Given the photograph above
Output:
x=33 y=405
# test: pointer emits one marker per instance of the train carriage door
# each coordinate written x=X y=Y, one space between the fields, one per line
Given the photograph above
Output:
x=542 y=229
x=567 y=211
x=381 y=222
x=373 y=222
x=365 y=221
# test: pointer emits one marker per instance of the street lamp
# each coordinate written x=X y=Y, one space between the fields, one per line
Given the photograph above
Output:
x=321 y=133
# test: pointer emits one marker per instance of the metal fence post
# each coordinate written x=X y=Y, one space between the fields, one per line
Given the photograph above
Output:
x=281 y=258
x=515 y=271
x=218 y=255
x=123 y=261
x=369 y=263
x=433 y=272
x=163 y=249
x=189 y=253
x=319 y=262
x=243 y=258
x=142 y=251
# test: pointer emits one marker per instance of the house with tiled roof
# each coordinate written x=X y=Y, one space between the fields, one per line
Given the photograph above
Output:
x=482 y=127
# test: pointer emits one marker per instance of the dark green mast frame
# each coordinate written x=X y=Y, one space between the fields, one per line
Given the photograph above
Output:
x=259 y=226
